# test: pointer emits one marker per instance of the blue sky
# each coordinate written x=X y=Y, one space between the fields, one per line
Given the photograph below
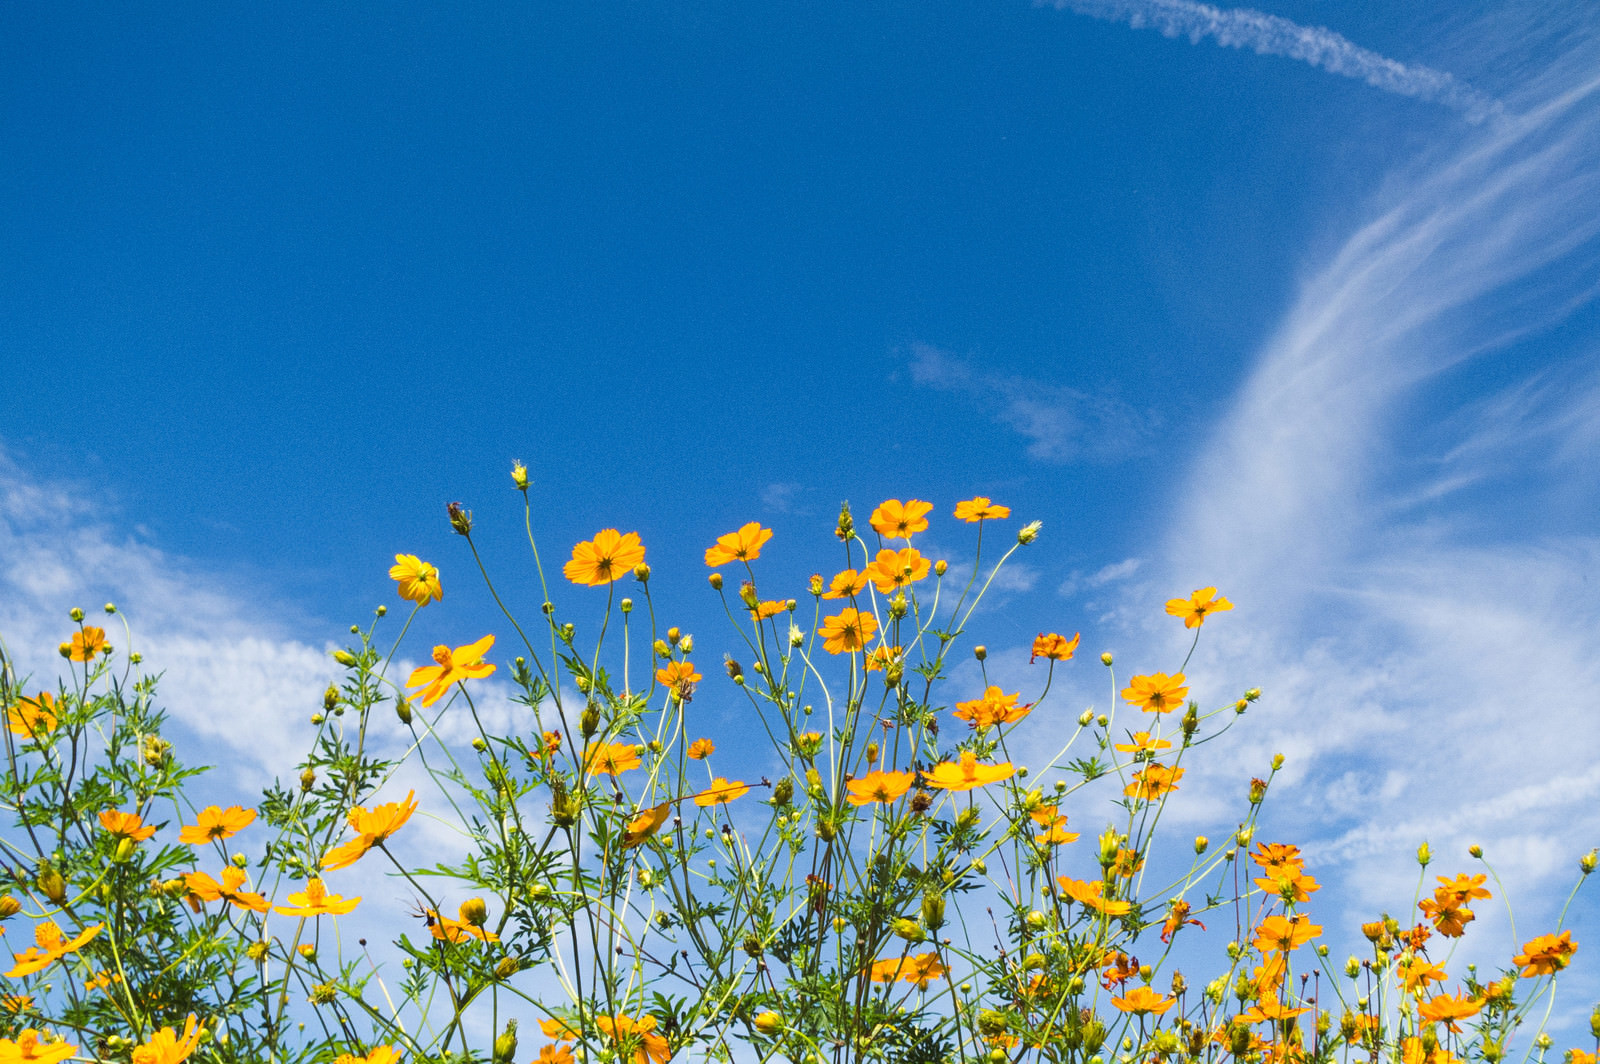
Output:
x=1306 y=313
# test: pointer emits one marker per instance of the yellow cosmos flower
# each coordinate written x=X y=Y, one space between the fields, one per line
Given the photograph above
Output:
x=629 y=1035
x=554 y=1054
x=205 y=888
x=679 y=677
x=741 y=546
x=1197 y=606
x=644 y=825
x=1142 y=1000
x=1056 y=834
x=33 y=717
x=608 y=557
x=378 y=1055
x=216 y=823
x=1546 y=955
x=897 y=521
x=701 y=749
x=28 y=1047
x=995 y=707
x=893 y=569
x=50 y=947
x=1091 y=896
x=611 y=758
x=470 y=925
x=167 y=1046
x=920 y=969
x=419 y=581
x=1054 y=647
x=451 y=666
x=86 y=644
x=373 y=827
x=1156 y=693
x=1152 y=782
x=847 y=584
x=1141 y=741
x=878 y=786
x=316 y=901
x=1281 y=934
x=979 y=508
x=1448 y=1010
x=721 y=792
x=967 y=774
x=882 y=657
x=849 y=630
x=126 y=825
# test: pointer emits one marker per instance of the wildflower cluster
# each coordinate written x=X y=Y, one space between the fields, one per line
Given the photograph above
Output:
x=905 y=875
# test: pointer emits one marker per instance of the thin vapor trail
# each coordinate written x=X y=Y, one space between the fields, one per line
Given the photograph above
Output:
x=1272 y=35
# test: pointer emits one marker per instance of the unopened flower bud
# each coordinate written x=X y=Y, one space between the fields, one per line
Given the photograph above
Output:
x=317 y=718
x=589 y=721
x=9 y=907
x=460 y=520
x=308 y=779
x=1105 y=659
x=507 y=967
x=474 y=912
x=1253 y=694
x=897 y=605
x=1102 y=720
x=846 y=528
x=52 y=885
x=1201 y=843
x=402 y=709
x=748 y=595
x=1035 y=920
x=909 y=930
x=1587 y=863
x=1475 y=851
x=76 y=614
x=797 y=636
x=768 y=1022
x=65 y=650
x=980 y=652
x=505 y=1046
x=1277 y=762
x=1244 y=835
x=239 y=860
x=872 y=754
x=478 y=744
x=345 y=658
x=330 y=697
x=686 y=644
x=1424 y=855
x=519 y=476
x=783 y=791
x=308 y=951
x=735 y=670
x=641 y=573
x=626 y=605
x=933 y=910
x=1086 y=718
x=715 y=580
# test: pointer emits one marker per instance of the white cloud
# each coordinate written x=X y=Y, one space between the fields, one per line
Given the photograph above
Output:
x=1267 y=34
x=1107 y=574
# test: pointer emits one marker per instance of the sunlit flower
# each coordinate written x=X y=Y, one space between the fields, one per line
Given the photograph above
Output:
x=882 y=657
x=1292 y=886
x=721 y=792
x=611 y=758
x=450 y=666
x=86 y=644
x=678 y=676
x=1194 y=609
x=980 y=508
x=1117 y=969
x=769 y=608
x=1141 y=1000
x=447 y=930
x=205 y=888
x=1091 y=895
x=215 y=823
x=967 y=774
x=29 y=1048
x=741 y=546
x=1268 y=1009
x=897 y=568
x=554 y=1054
x=1177 y=917
x=995 y=707
x=1416 y=973
x=50 y=946
x=378 y=1055
x=1278 y=858
x=921 y=970
x=1154 y=780
x=847 y=584
x=373 y=827
x=701 y=749
x=126 y=825
x=316 y=901
x=167 y=1046
x=640 y=1036
x=16 y=1002
x=1465 y=888
x=645 y=824
x=607 y=557
x=849 y=630
x=1156 y=693
x=419 y=581
x=897 y=521
x=1125 y=863
x=878 y=786
x=1285 y=933
x=33 y=717
x=1056 y=833
x=1054 y=647
x=1450 y=917
x=1546 y=955
x=1448 y=1010
x=1141 y=742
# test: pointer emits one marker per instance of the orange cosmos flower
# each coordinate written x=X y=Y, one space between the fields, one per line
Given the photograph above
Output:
x=1177 y=917
x=205 y=888
x=968 y=774
x=1450 y=917
x=1448 y=1009
x=447 y=930
x=897 y=568
x=1152 y=782
x=86 y=644
x=372 y=827
x=611 y=758
x=379 y=1055
x=645 y=824
x=1193 y=609
x=882 y=657
x=316 y=901
x=1054 y=647
x=639 y=1036
x=922 y=969
x=1141 y=1000
x=1285 y=933
x=1056 y=833
x=847 y=584
x=741 y=546
x=1270 y=1010
x=1278 y=858
x=1416 y=973
x=721 y=792
x=216 y=823
x=1118 y=969
x=419 y=581
x=451 y=666
x=849 y=630
x=1546 y=955
x=680 y=676
x=1156 y=693
x=49 y=947
x=126 y=825
x=1141 y=742
x=1465 y=888
x=33 y=717
x=701 y=749
x=554 y=1054
x=979 y=508
x=1297 y=886
x=769 y=608
x=995 y=707
x=28 y=1048
x=878 y=786
x=896 y=521
x=167 y=1046
x=607 y=557
x=1091 y=896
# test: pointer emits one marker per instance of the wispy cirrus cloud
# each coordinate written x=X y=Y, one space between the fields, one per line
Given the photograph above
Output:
x=1267 y=34
x=1060 y=423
